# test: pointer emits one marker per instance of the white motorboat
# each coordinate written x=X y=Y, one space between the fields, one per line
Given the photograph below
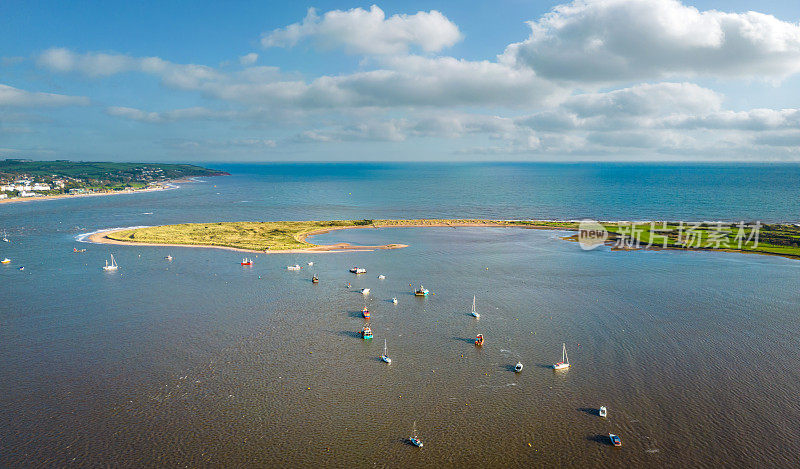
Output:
x=603 y=412
x=293 y=267
x=394 y=300
x=381 y=277
x=518 y=367
x=310 y=263
x=358 y=270
x=365 y=291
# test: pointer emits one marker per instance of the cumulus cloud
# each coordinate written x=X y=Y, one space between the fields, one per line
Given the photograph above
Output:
x=369 y=31
x=166 y=116
x=618 y=40
x=10 y=96
x=248 y=59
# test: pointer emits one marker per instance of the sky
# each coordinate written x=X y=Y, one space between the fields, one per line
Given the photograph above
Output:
x=508 y=80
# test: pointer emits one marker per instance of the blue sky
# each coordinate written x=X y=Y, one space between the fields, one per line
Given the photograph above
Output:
x=599 y=80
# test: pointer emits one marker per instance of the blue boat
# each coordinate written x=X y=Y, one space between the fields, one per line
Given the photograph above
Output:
x=366 y=332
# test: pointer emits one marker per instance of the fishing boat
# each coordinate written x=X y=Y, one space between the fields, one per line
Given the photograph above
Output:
x=518 y=367
x=365 y=291
x=414 y=439
x=366 y=332
x=247 y=261
x=358 y=270
x=293 y=267
x=474 y=312
x=394 y=300
x=78 y=250
x=315 y=279
x=365 y=311
x=479 y=339
x=615 y=440
x=381 y=277
x=421 y=291
x=169 y=257
x=112 y=266
x=5 y=261
x=603 y=412
x=385 y=357
x=564 y=363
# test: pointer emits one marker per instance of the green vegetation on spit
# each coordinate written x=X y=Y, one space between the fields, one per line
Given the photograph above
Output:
x=101 y=171
x=778 y=239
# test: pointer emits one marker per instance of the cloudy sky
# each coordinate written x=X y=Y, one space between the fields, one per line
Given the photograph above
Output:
x=508 y=80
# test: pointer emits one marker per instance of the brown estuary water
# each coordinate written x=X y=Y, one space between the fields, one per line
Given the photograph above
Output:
x=201 y=362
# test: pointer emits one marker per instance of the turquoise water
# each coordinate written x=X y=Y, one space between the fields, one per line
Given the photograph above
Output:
x=201 y=361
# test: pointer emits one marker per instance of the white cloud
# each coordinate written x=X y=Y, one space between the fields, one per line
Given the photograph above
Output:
x=369 y=32
x=248 y=59
x=10 y=96
x=618 y=40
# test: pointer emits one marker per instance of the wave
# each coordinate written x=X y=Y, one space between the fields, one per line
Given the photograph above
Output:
x=84 y=237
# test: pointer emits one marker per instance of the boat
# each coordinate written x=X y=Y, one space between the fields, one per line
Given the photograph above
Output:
x=365 y=311
x=518 y=367
x=247 y=261
x=381 y=277
x=385 y=357
x=414 y=439
x=310 y=263
x=5 y=237
x=394 y=300
x=78 y=250
x=474 y=312
x=5 y=261
x=22 y=267
x=365 y=291
x=112 y=266
x=615 y=440
x=358 y=270
x=564 y=363
x=479 y=339
x=169 y=257
x=421 y=291
x=366 y=332
x=293 y=267
x=315 y=279
x=603 y=412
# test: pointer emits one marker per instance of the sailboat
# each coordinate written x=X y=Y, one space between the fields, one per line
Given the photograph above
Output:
x=414 y=439
x=5 y=237
x=603 y=412
x=564 y=363
x=474 y=313
x=518 y=367
x=385 y=356
x=112 y=266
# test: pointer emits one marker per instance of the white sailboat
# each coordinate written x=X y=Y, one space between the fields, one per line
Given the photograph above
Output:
x=518 y=367
x=603 y=412
x=474 y=312
x=564 y=363
x=112 y=266
x=5 y=237
x=414 y=439
x=385 y=356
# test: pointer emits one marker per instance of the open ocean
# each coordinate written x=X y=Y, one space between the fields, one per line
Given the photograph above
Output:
x=202 y=362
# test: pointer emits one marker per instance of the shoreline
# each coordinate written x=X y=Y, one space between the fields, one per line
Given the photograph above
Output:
x=168 y=187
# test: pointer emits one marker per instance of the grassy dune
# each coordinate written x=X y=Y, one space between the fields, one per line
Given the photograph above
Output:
x=282 y=235
x=781 y=240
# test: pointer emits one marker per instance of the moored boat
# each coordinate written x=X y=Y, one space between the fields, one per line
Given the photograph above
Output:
x=365 y=312
x=358 y=270
x=474 y=311
x=414 y=439
x=603 y=412
x=564 y=363
x=615 y=439
x=113 y=265
x=479 y=339
x=421 y=291
x=169 y=257
x=293 y=267
x=247 y=261
x=394 y=300
x=366 y=332
x=518 y=367
x=365 y=291
x=381 y=277
x=385 y=357
x=5 y=261
x=315 y=279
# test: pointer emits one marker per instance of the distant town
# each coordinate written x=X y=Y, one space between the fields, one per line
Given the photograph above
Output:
x=27 y=179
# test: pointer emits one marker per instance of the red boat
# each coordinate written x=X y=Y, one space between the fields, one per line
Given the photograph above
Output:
x=479 y=339
x=365 y=313
x=247 y=261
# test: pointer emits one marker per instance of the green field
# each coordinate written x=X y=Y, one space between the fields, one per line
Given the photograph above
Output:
x=781 y=240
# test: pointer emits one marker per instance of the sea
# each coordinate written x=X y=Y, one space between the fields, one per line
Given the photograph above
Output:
x=201 y=362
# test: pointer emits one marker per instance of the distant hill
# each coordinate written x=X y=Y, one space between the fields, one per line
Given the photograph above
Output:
x=104 y=171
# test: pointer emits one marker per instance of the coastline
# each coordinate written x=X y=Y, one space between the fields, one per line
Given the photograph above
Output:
x=167 y=186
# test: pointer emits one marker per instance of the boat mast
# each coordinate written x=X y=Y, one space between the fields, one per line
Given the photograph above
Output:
x=564 y=357
x=473 y=304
